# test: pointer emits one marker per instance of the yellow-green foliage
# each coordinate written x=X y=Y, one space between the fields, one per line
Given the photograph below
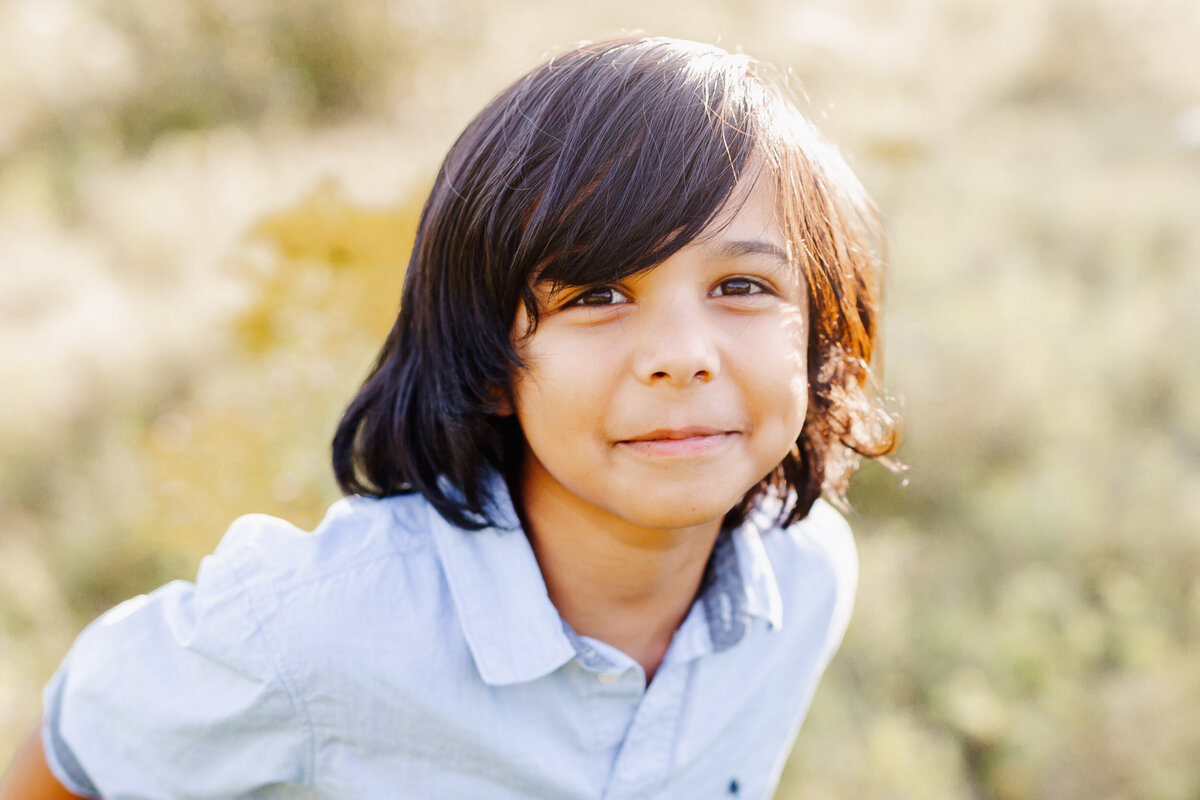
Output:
x=324 y=287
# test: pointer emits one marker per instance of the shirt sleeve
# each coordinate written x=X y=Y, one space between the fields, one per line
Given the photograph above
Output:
x=176 y=694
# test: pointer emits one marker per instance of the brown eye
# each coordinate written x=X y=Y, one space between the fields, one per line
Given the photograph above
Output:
x=735 y=286
x=599 y=296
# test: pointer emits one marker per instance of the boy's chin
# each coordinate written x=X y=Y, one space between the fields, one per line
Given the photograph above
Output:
x=674 y=513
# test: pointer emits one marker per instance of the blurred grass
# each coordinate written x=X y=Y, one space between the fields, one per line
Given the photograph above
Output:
x=205 y=208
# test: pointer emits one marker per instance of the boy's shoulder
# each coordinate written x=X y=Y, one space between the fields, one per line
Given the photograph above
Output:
x=275 y=617
x=816 y=562
x=824 y=533
x=356 y=534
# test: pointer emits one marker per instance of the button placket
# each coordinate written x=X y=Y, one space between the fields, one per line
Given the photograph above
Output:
x=644 y=761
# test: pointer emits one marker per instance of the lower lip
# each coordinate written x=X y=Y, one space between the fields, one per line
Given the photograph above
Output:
x=688 y=446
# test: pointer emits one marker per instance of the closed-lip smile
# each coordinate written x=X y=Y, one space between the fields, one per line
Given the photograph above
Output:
x=692 y=440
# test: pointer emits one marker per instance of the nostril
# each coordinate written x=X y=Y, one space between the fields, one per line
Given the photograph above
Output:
x=701 y=374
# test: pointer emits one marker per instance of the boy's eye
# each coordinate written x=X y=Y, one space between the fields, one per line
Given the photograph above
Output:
x=599 y=296
x=734 y=286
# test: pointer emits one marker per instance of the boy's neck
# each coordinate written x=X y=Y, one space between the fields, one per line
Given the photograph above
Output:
x=627 y=586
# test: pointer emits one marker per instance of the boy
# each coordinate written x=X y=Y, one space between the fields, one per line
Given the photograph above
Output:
x=585 y=556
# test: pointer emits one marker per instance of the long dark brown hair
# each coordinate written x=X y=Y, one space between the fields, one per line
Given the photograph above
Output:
x=599 y=164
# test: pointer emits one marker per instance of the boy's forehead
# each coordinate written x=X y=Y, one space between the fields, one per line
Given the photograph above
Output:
x=735 y=248
x=750 y=222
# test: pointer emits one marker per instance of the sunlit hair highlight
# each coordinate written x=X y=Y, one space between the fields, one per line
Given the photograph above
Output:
x=597 y=165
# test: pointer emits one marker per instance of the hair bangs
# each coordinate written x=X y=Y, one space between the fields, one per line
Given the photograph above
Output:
x=646 y=159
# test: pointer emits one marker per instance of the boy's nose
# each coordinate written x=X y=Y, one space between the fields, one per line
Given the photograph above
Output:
x=678 y=349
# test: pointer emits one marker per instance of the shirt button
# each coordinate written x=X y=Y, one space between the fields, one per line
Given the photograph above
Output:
x=608 y=677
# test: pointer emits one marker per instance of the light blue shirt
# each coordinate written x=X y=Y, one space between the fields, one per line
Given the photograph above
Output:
x=389 y=654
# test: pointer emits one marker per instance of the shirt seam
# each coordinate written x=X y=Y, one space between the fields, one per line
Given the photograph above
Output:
x=283 y=586
x=289 y=689
x=392 y=550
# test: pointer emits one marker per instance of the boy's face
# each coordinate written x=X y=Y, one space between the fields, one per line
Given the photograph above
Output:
x=662 y=399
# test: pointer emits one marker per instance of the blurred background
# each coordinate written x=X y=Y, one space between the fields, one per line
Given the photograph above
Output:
x=206 y=205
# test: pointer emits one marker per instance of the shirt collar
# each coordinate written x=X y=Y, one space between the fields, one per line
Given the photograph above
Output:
x=515 y=633
x=513 y=630
x=739 y=583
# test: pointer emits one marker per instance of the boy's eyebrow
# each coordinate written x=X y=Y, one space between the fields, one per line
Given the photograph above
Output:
x=745 y=247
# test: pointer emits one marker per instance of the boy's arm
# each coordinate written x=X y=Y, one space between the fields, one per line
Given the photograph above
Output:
x=29 y=778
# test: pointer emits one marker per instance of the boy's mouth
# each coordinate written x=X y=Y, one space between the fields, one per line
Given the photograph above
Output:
x=678 y=441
